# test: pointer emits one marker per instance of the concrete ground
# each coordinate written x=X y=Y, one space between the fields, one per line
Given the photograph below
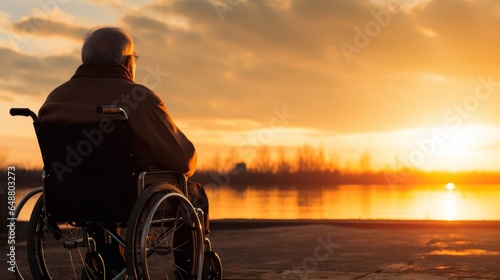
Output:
x=359 y=250
x=346 y=250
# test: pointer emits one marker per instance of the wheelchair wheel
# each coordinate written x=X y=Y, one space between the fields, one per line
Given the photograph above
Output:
x=20 y=257
x=212 y=266
x=47 y=257
x=164 y=236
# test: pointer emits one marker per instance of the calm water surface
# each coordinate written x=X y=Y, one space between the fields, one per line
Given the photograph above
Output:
x=417 y=202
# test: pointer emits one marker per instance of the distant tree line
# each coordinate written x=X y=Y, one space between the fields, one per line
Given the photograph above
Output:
x=338 y=177
x=311 y=167
x=265 y=160
x=308 y=167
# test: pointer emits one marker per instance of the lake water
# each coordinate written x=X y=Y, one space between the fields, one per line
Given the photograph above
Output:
x=415 y=202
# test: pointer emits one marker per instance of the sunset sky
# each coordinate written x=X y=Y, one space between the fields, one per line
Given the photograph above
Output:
x=415 y=82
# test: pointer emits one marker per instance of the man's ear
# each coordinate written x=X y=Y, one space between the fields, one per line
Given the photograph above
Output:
x=127 y=61
x=129 y=64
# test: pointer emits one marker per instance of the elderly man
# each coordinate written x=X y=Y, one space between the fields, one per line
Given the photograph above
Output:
x=107 y=77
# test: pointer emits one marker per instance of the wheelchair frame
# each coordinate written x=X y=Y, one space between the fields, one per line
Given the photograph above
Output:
x=141 y=242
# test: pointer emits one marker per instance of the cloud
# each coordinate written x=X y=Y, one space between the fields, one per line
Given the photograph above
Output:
x=259 y=58
x=261 y=55
x=30 y=75
x=112 y=2
x=34 y=26
x=241 y=68
x=150 y=29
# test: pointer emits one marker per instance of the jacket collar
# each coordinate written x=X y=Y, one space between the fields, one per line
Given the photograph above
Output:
x=102 y=71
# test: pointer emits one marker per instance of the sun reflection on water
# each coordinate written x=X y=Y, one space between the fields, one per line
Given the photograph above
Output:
x=450 y=204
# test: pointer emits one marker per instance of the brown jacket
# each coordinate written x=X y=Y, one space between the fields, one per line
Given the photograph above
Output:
x=158 y=140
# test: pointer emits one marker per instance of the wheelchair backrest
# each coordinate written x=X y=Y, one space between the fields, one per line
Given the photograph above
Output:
x=90 y=171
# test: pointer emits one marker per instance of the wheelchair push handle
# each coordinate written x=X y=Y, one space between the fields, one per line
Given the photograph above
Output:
x=20 y=112
x=111 y=109
x=25 y=112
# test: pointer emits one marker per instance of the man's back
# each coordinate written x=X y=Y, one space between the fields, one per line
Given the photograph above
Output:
x=158 y=140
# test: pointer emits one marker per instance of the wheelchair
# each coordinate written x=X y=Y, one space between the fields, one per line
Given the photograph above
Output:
x=94 y=193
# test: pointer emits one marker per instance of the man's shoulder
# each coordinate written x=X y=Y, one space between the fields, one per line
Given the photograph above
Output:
x=143 y=92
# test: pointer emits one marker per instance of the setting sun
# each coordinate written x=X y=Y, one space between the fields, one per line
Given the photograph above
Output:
x=450 y=186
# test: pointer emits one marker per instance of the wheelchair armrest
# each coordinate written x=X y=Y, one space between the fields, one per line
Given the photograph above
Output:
x=159 y=170
x=149 y=168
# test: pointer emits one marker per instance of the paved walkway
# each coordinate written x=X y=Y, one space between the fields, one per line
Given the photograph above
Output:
x=350 y=250
x=360 y=250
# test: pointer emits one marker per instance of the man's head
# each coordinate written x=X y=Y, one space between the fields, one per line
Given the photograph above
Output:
x=109 y=46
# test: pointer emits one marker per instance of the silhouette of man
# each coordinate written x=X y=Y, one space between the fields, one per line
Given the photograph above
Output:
x=107 y=77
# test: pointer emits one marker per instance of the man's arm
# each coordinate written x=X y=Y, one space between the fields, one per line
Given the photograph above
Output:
x=163 y=140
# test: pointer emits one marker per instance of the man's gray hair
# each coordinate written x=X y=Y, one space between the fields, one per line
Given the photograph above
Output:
x=106 y=46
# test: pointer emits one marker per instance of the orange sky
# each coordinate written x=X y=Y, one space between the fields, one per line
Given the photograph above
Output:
x=415 y=83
